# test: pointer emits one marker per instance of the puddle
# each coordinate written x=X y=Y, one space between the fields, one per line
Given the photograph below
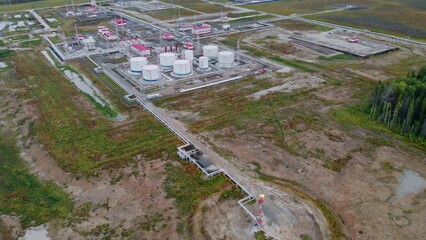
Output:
x=51 y=19
x=36 y=233
x=3 y=65
x=3 y=24
x=119 y=118
x=86 y=86
x=410 y=182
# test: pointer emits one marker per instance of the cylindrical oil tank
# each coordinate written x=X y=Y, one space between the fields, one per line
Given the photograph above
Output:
x=151 y=73
x=226 y=59
x=210 y=51
x=137 y=63
x=203 y=63
x=167 y=59
x=188 y=55
x=182 y=67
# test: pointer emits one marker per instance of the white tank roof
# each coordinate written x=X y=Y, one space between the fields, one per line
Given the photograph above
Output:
x=150 y=67
x=167 y=54
x=138 y=59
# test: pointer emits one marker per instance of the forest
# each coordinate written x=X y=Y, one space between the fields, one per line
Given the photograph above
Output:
x=401 y=105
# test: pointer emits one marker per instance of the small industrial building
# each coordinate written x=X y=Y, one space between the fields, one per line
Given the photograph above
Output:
x=109 y=36
x=119 y=22
x=89 y=43
x=202 y=29
x=140 y=49
x=168 y=36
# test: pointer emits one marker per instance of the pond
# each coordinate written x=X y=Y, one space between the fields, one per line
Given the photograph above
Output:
x=36 y=233
x=410 y=182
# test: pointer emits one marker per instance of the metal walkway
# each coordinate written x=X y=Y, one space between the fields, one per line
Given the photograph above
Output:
x=139 y=98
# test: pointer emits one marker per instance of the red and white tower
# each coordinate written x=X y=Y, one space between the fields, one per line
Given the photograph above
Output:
x=260 y=202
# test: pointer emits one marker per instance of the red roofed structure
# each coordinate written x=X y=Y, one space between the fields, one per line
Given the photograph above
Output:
x=140 y=49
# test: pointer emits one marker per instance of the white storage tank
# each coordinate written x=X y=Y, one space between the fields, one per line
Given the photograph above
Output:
x=203 y=63
x=188 y=55
x=210 y=51
x=151 y=73
x=137 y=63
x=182 y=67
x=226 y=59
x=167 y=59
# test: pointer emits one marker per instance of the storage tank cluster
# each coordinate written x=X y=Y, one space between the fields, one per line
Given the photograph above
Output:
x=181 y=67
x=139 y=65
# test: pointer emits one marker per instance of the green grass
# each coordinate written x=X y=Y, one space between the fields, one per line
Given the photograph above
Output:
x=300 y=26
x=187 y=185
x=295 y=63
x=260 y=235
x=394 y=17
x=200 y=6
x=36 y=4
x=352 y=116
x=305 y=237
x=338 y=57
x=33 y=42
x=55 y=39
x=251 y=19
x=244 y=14
x=168 y=14
x=79 y=141
x=24 y=195
x=4 y=53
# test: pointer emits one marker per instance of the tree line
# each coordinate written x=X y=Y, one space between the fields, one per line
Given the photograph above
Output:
x=401 y=105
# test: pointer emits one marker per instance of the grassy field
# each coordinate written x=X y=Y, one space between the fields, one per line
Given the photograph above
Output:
x=299 y=26
x=168 y=14
x=35 y=4
x=30 y=43
x=382 y=21
x=252 y=19
x=187 y=185
x=24 y=195
x=80 y=141
x=404 y=18
x=200 y=6
x=235 y=109
x=338 y=57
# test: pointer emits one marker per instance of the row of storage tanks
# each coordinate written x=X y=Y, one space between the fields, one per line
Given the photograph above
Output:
x=225 y=59
x=181 y=67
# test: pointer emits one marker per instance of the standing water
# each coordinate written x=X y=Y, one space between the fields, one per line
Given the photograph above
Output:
x=36 y=233
x=410 y=182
